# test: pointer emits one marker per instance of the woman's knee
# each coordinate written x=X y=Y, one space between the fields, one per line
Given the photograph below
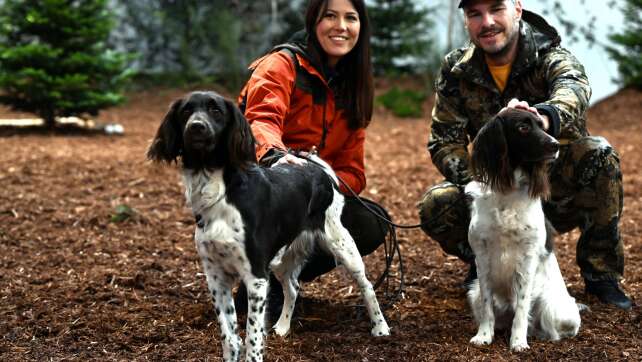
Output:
x=365 y=223
x=368 y=230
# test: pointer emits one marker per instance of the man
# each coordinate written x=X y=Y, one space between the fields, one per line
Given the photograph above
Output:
x=515 y=61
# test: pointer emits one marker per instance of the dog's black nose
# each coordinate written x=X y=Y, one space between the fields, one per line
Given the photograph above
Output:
x=553 y=146
x=197 y=127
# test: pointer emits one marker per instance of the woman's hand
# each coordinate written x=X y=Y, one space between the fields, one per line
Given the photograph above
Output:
x=289 y=159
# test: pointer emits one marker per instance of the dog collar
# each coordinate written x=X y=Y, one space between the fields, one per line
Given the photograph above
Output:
x=199 y=221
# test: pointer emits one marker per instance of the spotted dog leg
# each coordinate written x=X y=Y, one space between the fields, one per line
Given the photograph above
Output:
x=523 y=283
x=287 y=267
x=220 y=284
x=484 y=307
x=342 y=246
x=255 y=328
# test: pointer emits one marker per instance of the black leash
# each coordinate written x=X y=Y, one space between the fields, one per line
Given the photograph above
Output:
x=304 y=155
x=390 y=247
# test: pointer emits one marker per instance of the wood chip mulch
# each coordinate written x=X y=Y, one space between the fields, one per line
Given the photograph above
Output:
x=75 y=285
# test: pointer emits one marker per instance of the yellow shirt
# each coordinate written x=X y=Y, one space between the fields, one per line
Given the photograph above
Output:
x=500 y=74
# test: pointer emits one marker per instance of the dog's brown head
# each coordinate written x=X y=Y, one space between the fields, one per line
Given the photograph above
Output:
x=514 y=138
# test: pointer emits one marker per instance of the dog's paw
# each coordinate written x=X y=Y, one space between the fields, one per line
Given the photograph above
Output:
x=482 y=339
x=381 y=330
x=281 y=329
x=519 y=346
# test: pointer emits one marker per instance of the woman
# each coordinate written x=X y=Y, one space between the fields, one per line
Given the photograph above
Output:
x=316 y=91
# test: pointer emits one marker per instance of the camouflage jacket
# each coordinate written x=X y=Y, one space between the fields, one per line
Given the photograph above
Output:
x=544 y=74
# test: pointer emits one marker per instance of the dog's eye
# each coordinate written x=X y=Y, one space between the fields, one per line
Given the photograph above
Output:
x=213 y=110
x=522 y=128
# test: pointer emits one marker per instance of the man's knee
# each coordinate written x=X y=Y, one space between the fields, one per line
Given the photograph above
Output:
x=440 y=207
x=445 y=215
x=593 y=180
x=595 y=161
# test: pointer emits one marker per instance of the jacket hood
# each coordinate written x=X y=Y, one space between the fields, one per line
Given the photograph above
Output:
x=298 y=44
x=543 y=34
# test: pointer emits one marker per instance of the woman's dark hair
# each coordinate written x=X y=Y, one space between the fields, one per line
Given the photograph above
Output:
x=357 y=88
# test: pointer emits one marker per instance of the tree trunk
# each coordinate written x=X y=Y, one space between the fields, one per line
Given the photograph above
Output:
x=452 y=12
x=49 y=118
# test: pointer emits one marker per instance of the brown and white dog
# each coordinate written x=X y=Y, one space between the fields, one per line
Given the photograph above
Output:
x=519 y=281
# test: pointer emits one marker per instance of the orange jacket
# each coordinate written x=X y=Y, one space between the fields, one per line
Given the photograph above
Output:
x=284 y=116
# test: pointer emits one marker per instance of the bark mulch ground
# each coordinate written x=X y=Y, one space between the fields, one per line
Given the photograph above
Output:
x=76 y=285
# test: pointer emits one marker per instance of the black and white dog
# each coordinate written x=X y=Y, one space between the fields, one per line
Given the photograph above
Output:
x=520 y=282
x=251 y=219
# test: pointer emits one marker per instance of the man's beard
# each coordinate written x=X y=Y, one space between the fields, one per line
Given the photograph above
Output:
x=502 y=50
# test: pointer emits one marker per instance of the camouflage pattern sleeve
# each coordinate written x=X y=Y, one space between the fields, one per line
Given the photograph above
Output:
x=448 y=137
x=569 y=92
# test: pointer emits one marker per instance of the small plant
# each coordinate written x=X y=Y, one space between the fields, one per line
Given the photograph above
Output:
x=403 y=103
x=123 y=212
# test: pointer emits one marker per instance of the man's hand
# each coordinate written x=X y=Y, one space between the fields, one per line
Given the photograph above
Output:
x=517 y=104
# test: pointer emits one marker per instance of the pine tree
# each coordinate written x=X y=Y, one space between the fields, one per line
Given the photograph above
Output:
x=54 y=60
x=629 y=53
x=401 y=37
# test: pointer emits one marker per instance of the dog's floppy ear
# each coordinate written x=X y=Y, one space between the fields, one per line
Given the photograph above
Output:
x=240 y=141
x=489 y=162
x=167 y=144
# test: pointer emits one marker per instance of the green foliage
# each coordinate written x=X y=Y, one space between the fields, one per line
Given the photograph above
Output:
x=53 y=58
x=628 y=53
x=401 y=39
x=123 y=212
x=197 y=40
x=228 y=42
x=291 y=20
x=403 y=103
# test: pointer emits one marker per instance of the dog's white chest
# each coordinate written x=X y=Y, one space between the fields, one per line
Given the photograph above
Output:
x=219 y=231
x=511 y=219
x=505 y=229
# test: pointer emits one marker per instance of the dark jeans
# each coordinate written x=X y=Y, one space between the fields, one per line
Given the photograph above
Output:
x=366 y=229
